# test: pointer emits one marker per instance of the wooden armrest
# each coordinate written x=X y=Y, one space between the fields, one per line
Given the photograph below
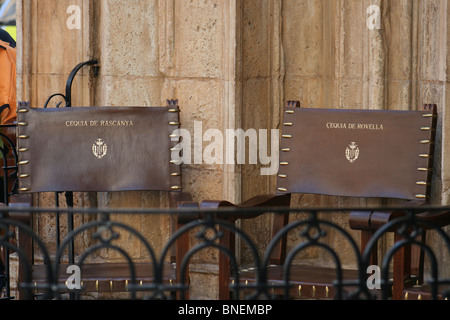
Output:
x=266 y=200
x=360 y=220
x=261 y=201
x=372 y=220
x=176 y=198
x=441 y=219
x=187 y=217
x=20 y=201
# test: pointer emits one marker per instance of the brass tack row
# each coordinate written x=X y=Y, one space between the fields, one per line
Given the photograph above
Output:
x=286 y=136
x=425 y=156
x=24 y=162
x=21 y=150
x=176 y=162
x=327 y=291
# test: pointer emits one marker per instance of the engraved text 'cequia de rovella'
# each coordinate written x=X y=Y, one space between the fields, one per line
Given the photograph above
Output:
x=354 y=126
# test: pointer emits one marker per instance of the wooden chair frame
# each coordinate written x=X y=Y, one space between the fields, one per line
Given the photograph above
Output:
x=93 y=276
x=367 y=223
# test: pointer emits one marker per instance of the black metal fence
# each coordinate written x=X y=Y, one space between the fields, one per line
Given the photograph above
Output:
x=312 y=231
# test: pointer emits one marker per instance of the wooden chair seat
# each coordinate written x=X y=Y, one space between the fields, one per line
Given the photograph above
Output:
x=419 y=292
x=109 y=277
x=302 y=286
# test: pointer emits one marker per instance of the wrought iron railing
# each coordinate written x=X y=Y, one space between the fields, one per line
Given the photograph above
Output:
x=106 y=232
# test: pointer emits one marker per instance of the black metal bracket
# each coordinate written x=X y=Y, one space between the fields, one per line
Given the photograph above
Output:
x=68 y=100
x=68 y=96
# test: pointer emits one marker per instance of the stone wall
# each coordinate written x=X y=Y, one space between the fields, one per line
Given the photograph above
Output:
x=233 y=64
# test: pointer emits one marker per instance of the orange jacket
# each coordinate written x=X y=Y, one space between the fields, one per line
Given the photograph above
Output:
x=8 y=103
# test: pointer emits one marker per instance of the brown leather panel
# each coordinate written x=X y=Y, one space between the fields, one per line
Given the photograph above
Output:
x=358 y=153
x=62 y=149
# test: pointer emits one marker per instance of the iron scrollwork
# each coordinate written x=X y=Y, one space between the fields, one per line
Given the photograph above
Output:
x=209 y=231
